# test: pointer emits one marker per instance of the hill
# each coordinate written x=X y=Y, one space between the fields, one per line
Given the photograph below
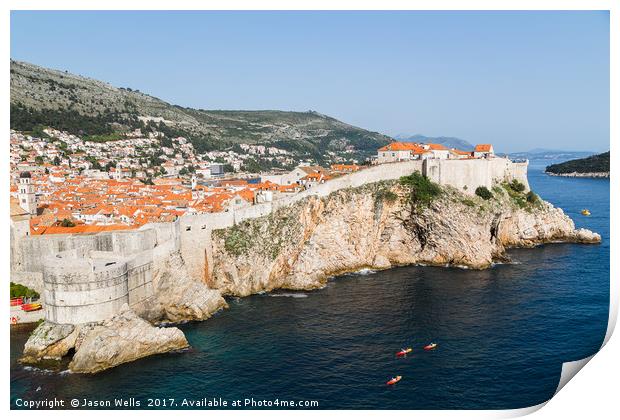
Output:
x=597 y=164
x=450 y=142
x=95 y=109
x=550 y=154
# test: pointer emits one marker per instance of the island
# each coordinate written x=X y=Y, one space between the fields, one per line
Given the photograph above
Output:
x=596 y=166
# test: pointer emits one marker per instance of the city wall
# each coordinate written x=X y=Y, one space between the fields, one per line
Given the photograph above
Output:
x=94 y=286
x=87 y=278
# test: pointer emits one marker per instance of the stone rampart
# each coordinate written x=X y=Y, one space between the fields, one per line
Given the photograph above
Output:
x=87 y=278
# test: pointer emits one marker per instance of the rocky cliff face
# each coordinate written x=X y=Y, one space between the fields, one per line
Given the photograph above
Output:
x=379 y=226
x=179 y=297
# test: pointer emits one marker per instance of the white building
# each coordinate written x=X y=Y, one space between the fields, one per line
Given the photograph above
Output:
x=26 y=194
x=484 y=151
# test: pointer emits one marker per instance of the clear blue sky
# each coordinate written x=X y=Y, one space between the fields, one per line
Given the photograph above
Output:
x=520 y=80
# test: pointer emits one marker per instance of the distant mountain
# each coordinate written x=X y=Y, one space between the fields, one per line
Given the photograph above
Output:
x=449 y=142
x=589 y=165
x=550 y=154
x=88 y=107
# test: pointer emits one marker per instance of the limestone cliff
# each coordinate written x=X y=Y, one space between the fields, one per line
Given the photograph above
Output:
x=179 y=297
x=378 y=226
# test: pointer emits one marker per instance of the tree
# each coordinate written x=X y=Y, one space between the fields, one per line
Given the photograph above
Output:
x=67 y=223
x=38 y=160
x=484 y=193
x=56 y=161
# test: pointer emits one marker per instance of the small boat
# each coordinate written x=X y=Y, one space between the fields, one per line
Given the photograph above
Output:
x=394 y=380
x=431 y=346
x=585 y=212
x=404 y=352
x=17 y=301
x=30 y=307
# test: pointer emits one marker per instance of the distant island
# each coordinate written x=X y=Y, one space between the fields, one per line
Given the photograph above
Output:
x=596 y=166
x=550 y=154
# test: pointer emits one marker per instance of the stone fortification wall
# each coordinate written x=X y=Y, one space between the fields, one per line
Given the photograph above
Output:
x=140 y=278
x=468 y=174
x=79 y=290
x=30 y=251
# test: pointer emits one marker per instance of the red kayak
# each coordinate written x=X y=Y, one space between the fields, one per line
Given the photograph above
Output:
x=431 y=346
x=404 y=352
x=394 y=380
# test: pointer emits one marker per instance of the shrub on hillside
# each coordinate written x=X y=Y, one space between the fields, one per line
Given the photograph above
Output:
x=517 y=186
x=484 y=193
x=532 y=197
x=423 y=190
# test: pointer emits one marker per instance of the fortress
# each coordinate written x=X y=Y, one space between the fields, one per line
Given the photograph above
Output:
x=88 y=278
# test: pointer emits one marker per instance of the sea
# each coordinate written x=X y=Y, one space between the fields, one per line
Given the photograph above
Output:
x=502 y=335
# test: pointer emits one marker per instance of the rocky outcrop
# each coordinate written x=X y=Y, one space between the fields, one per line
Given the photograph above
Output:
x=121 y=339
x=49 y=342
x=180 y=298
x=124 y=338
x=378 y=226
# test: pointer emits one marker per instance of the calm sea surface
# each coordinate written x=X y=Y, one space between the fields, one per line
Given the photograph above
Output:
x=502 y=333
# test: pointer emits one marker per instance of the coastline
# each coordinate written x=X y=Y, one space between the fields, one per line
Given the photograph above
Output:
x=301 y=246
x=581 y=174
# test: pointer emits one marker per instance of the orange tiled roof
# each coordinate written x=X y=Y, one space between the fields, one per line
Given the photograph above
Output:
x=484 y=148
x=400 y=146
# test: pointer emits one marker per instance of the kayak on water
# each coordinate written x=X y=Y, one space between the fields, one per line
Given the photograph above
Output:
x=404 y=352
x=394 y=380
x=430 y=346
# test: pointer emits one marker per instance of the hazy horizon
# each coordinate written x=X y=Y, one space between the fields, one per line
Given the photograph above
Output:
x=519 y=80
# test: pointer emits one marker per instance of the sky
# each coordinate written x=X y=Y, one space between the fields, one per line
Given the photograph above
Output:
x=519 y=80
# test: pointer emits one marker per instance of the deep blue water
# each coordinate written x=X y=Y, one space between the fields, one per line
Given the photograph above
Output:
x=503 y=333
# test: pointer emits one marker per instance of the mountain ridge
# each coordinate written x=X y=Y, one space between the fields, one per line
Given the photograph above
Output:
x=41 y=96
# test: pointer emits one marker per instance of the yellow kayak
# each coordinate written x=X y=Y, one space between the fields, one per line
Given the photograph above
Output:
x=585 y=212
x=404 y=352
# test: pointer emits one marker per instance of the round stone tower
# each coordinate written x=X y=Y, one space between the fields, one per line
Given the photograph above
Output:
x=83 y=290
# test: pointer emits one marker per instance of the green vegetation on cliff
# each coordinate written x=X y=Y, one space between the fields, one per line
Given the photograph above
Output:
x=596 y=163
x=422 y=190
